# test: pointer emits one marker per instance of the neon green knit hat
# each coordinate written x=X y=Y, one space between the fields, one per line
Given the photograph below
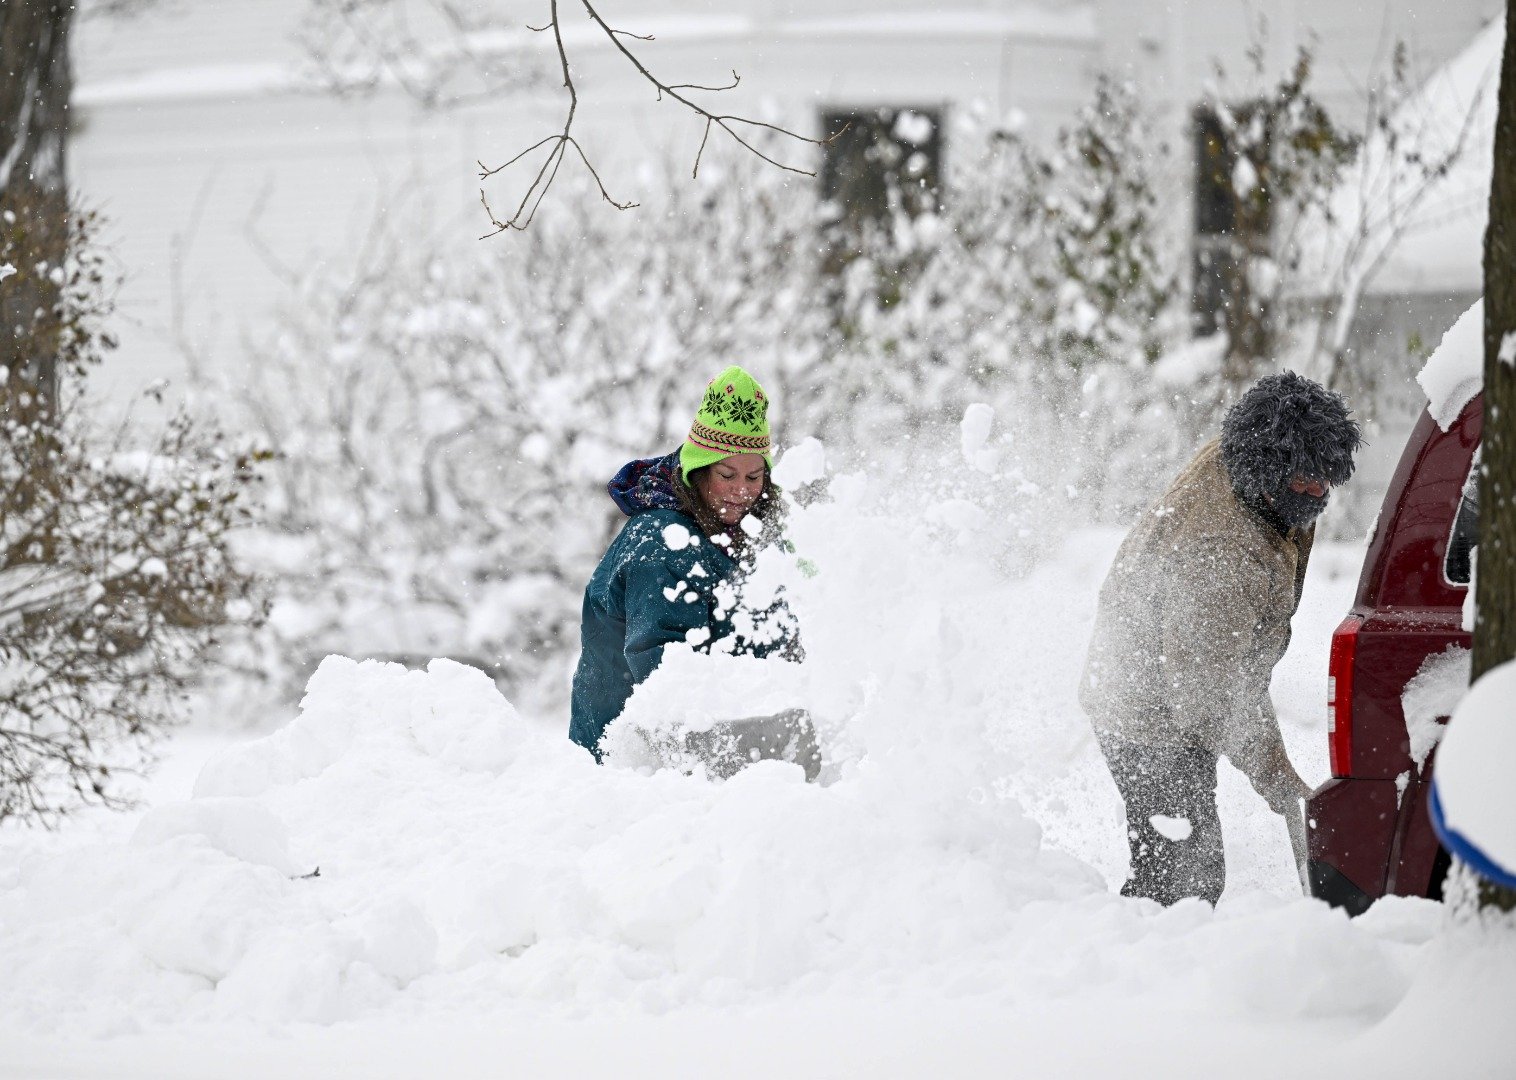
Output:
x=733 y=419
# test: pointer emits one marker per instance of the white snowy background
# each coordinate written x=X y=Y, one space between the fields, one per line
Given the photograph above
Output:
x=490 y=902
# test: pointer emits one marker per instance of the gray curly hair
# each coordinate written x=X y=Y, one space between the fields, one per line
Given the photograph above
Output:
x=1284 y=426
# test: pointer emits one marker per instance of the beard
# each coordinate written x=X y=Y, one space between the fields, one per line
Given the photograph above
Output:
x=1298 y=509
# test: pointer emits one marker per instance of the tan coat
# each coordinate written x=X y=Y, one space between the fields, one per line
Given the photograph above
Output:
x=1193 y=617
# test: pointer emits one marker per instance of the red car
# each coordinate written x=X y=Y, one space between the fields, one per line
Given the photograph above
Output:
x=1368 y=827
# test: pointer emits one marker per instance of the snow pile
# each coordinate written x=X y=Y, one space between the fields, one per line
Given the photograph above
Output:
x=1474 y=797
x=1454 y=373
x=466 y=858
x=238 y=827
x=410 y=849
x=462 y=852
x=1430 y=696
x=451 y=713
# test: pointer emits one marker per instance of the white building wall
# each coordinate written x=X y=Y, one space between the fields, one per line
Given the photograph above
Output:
x=1172 y=47
x=193 y=136
x=220 y=176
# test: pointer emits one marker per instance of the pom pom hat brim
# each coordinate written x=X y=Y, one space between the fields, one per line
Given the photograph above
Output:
x=733 y=419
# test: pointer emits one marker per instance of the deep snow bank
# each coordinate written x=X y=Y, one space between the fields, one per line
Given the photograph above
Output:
x=462 y=852
x=466 y=859
x=471 y=861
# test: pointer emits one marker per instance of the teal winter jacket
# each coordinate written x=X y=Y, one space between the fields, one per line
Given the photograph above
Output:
x=657 y=582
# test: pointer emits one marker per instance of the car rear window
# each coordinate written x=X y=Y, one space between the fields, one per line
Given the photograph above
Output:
x=1465 y=529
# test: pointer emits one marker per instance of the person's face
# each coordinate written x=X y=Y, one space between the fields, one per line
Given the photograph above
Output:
x=1306 y=485
x=1302 y=500
x=730 y=487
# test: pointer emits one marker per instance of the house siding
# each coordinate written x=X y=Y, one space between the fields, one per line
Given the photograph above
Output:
x=220 y=177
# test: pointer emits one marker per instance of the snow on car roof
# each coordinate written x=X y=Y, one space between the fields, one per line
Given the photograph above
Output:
x=1454 y=373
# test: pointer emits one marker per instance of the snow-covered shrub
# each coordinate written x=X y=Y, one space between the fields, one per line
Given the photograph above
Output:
x=445 y=426
x=1102 y=284
x=1277 y=154
x=1038 y=285
x=115 y=574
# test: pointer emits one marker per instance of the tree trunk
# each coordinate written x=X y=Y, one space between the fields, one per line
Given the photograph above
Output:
x=1495 y=600
x=35 y=84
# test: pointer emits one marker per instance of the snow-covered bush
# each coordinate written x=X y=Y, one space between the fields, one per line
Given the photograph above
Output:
x=444 y=425
x=1039 y=285
x=1102 y=283
x=115 y=573
x=1275 y=154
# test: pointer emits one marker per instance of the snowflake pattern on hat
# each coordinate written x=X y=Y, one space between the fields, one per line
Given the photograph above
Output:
x=714 y=404
x=743 y=411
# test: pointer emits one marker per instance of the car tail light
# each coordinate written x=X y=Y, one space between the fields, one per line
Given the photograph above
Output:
x=1340 y=695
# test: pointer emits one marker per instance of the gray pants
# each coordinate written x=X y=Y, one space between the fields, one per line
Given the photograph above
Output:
x=1178 y=783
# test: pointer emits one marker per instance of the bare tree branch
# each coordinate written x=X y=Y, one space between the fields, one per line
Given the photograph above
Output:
x=547 y=172
x=736 y=81
x=1404 y=158
x=723 y=121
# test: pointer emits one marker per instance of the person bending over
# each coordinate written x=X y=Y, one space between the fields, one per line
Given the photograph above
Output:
x=1193 y=617
x=696 y=519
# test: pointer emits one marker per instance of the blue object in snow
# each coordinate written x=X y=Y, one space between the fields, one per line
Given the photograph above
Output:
x=1464 y=849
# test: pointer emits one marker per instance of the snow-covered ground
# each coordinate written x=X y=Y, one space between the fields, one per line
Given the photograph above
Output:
x=490 y=902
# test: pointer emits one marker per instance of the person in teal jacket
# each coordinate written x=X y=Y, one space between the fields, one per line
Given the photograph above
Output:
x=697 y=517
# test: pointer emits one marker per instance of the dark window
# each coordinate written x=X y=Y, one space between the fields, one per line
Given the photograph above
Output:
x=885 y=159
x=886 y=162
x=1465 y=530
x=1233 y=219
x=1215 y=212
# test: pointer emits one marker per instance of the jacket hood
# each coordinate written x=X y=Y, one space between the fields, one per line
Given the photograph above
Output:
x=646 y=484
